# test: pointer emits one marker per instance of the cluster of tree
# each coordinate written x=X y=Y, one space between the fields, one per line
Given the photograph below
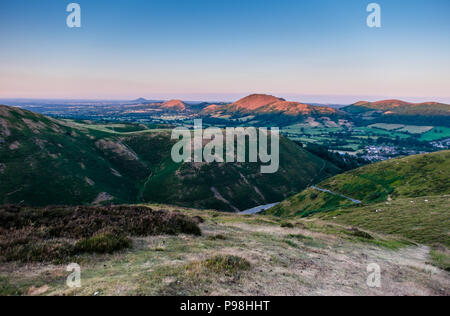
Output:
x=345 y=162
x=410 y=142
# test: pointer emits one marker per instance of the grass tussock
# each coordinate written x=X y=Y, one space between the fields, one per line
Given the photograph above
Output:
x=196 y=278
x=287 y=225
x=28 y=245
x=7 y=289
x=229 y=264
x=441 y=259
x=217 y=237
x=103 y=243
x=300 y=237
x=359 y=233
x=290 y=243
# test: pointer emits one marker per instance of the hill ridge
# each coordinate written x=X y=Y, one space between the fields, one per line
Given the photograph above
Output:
x=174 y=105
x=263 y=104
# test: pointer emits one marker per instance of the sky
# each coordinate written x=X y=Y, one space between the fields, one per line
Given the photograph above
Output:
x=312 y=50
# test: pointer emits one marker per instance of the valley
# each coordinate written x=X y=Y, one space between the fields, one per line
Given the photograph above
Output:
x=64 y=162
x=374 y=131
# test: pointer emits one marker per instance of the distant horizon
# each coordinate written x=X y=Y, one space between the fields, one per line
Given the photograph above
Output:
x=233 y=97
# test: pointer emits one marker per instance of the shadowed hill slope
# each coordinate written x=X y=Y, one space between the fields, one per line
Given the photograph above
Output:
x=235 y=186
x=46 y=161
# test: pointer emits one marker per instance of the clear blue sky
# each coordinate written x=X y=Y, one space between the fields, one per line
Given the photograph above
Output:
x=311 y=50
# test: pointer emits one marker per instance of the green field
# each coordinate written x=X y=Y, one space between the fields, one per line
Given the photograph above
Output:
x=377 y=132
x=388 y=127
x=340 y=138
x=428 y=133
x=437 y=133
x=415 y=129
x=411 y=129
x=409 y=138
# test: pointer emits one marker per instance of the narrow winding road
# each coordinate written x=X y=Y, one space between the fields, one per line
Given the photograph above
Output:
x=259 y=209
x=334 y=193
x=262 y=208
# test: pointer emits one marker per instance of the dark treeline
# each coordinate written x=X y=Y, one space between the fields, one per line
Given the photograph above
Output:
x=406 y=120
x=345 y=162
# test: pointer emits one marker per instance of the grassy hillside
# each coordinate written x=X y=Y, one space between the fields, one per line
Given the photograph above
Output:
x=44 y=161
x=399 y=112
x=308 y=202
x=396 y=107
x=425 y=220
x=414 y=176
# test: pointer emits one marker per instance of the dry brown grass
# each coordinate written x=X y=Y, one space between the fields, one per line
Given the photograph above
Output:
x=317 y=260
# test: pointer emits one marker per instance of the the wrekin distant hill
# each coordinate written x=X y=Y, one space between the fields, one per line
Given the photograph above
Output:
x=44 y=161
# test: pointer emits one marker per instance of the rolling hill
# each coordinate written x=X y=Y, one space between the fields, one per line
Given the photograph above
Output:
x=270 y=108
x=391 y=107
x=174 y=105
x=256 y=101
x=396 y=111
x=409 y=177
x=44 y=161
